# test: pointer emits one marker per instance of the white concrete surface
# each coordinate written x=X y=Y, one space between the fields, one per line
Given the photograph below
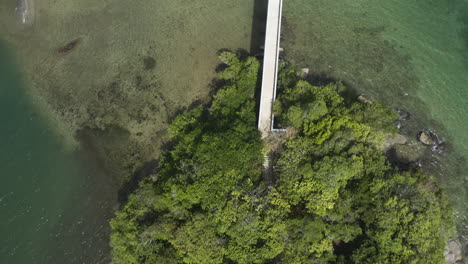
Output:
x=270 y=66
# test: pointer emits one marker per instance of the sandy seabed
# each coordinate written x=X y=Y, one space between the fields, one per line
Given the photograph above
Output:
x=110 y=97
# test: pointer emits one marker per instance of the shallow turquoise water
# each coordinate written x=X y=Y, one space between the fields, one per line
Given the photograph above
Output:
x=47 y=215
x=72 y=198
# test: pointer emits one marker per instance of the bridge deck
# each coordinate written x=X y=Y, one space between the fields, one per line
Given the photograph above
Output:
x=270 y=66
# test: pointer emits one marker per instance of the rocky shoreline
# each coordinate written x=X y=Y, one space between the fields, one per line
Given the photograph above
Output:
x=406 y=152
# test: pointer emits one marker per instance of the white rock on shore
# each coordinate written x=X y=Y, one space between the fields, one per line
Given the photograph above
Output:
x=365 y=99
x=453 y=252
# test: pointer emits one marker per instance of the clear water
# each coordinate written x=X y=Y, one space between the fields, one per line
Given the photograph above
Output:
x=47 y=213
x=55 y=199
x=406 y=54
x=56 y=207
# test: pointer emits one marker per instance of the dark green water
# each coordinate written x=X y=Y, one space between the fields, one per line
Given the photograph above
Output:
x=50 y=210
x=56 y=205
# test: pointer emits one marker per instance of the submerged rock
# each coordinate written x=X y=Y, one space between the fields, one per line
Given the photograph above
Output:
x=406 y=154
x=427 y=138
x=453 y=252
x=69 y=47
x=431 y=139
x=403 y=115
x=441 y=147
x=394 y=139
x=149 y=63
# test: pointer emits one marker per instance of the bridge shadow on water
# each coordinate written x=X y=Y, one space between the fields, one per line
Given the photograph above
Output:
x=259 y=17
x=257 y=40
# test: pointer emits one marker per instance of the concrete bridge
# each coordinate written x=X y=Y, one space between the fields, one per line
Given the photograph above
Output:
x=270 y=66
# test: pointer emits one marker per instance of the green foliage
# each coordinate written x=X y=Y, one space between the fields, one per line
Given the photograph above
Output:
x=334 y=198
x=334 y=170
x=405 y=221
x=375 y=115
x=321 y=113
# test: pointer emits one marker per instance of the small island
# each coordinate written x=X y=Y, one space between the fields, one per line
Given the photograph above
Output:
x=330 y=196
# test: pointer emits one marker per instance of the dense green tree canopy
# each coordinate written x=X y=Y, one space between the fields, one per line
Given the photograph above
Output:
x=334 y=198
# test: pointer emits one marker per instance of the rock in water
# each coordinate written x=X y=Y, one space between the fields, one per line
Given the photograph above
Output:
x=427 y=138
x=365 y=99
x=406 y=154
x=441 y=147
x=403 y=115
x=394 y=139
x=149 y=63
x=431 y=139
x=69 y=47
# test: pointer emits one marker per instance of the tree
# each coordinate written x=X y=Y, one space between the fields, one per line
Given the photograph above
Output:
x=334 y=197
